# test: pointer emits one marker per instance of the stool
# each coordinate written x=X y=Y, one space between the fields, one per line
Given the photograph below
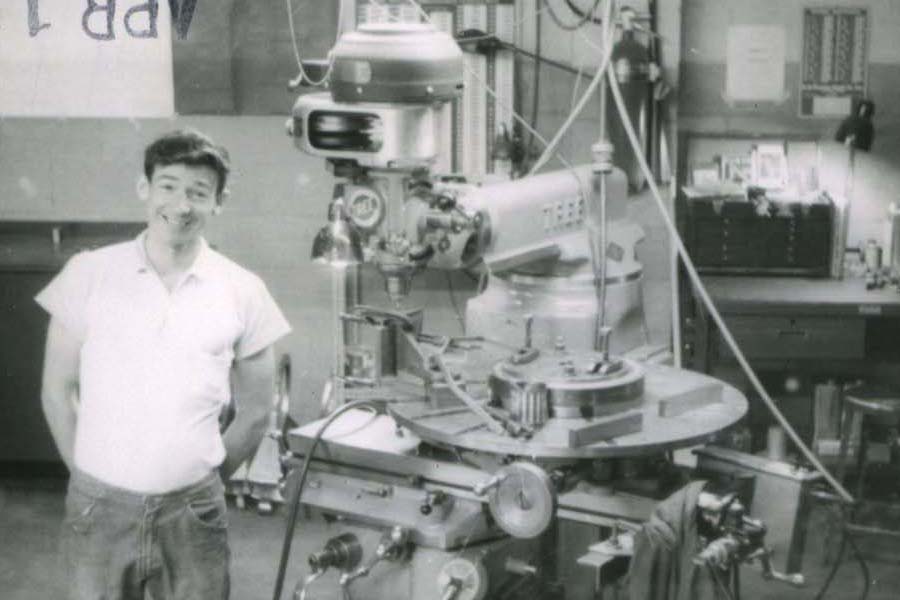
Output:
x=874 y=405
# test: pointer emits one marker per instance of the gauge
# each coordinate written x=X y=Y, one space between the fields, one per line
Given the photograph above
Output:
x=467 y=577
x=365 y=207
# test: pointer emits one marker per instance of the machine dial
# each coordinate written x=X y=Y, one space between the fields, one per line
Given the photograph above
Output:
x=523 y=501
x=463 y=579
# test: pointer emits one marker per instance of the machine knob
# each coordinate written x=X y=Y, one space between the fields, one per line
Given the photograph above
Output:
x=341 y=552
x=519 y=567
x=463 y=578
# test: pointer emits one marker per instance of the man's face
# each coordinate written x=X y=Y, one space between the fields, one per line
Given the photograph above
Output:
x=180 y=199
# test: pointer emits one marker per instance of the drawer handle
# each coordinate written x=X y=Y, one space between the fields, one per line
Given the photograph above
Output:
x=792 y=333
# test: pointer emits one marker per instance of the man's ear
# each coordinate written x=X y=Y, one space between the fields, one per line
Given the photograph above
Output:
x=143 y=188
x=220 y=200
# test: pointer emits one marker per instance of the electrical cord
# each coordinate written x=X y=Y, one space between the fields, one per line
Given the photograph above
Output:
x=707 y=301
x=846 y=539
x=298 y=491
x=582 y=20
x=834 y=567
x=303 y=75
x=726 y=333
x=598 y=77
x=578 y=12
x=862 y=564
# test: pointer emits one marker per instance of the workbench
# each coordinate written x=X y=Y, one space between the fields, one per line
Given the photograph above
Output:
x=795 y=332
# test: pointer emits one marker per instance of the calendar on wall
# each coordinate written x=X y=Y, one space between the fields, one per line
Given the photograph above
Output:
x=835 y=61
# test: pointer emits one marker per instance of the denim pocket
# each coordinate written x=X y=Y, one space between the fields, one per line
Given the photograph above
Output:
x=208 y=512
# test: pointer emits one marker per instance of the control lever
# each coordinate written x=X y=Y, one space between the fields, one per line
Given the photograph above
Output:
x=526 y=353
x=765 y=560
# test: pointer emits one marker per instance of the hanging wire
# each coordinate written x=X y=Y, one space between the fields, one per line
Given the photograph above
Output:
x=598 y=77
x=707 y=301
x=578 y=12
x=294 y=502
x=303 y=75
x=584 y=18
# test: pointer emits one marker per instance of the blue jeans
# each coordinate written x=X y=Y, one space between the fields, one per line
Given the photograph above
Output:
x=120 y=545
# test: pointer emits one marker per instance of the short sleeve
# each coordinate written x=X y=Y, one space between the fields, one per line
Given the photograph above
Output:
x=264 y=322
x=66 y=296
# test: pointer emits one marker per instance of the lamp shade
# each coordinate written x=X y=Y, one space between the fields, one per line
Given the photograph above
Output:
x=338 y=243
x=857 y=129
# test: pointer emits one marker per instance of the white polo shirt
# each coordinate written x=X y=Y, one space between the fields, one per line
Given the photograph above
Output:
x=154 y=372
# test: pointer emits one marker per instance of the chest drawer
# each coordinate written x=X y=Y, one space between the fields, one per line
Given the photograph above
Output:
x=764 y=337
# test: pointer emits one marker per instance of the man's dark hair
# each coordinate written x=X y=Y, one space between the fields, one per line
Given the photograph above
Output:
x=187 y=147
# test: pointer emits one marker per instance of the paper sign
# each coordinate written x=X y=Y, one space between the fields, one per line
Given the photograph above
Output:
x=755 y=63
x=86 y=58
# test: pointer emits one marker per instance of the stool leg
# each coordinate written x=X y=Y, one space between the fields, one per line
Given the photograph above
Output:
x=894 y=446
x=846 y=430
x=861 y=458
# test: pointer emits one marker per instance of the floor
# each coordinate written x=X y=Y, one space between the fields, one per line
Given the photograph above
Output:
x=30 y=512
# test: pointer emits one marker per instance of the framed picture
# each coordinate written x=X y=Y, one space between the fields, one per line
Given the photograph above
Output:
x=737 y=169
x=705 y=174
x=769 y=166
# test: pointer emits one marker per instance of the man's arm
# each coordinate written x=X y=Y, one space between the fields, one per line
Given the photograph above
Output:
x=59 y=386
x=253 y=389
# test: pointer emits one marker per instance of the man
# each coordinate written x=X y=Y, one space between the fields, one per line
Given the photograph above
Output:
x=147 y=342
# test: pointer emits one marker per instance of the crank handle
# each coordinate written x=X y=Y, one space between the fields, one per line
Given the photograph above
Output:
x=481 y=489
x=794 y=579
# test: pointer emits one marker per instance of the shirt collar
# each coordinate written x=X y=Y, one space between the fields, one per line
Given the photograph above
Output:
x=200 y=268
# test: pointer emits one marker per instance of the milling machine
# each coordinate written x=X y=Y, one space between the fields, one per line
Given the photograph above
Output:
x=484 y=465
